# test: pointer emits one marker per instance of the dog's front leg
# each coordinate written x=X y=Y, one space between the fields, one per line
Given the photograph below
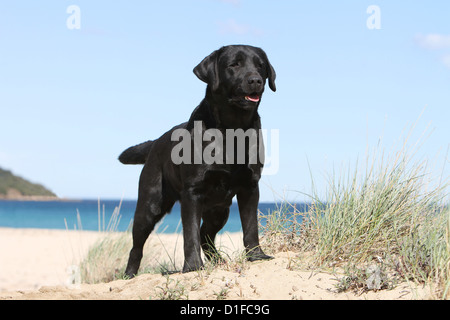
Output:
x=190 y=218
x=248 y=206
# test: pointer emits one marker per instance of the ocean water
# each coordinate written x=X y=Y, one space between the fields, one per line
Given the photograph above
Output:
x=84 y=215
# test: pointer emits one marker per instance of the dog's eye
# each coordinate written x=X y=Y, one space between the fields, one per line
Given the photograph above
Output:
x=260 y=65
x=234 y=65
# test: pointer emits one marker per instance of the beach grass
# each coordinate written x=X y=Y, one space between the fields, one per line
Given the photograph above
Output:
x=106 y=260
x=385 y=223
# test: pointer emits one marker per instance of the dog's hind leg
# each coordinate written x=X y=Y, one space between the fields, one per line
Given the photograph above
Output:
x=213 y=221
x=149 y=211
x=143 y=224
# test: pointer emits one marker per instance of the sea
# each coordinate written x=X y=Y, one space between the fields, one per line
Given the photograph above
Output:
x=101 y=215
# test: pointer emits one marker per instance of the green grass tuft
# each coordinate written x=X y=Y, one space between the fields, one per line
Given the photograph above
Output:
x=390 y=214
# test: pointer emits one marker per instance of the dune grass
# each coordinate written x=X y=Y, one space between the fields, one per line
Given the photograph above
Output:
x=389 y=218
x=106 y=260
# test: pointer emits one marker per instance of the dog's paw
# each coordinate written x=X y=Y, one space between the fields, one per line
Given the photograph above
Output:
x=169 y=272
x=257 y=254
x=189 y=267
x=259 y=257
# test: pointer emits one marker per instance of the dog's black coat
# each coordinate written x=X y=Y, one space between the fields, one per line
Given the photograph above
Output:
x=236 y=77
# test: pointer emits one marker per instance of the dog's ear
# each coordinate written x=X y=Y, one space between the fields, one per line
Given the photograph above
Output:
x=272 y=76
x=208 y=70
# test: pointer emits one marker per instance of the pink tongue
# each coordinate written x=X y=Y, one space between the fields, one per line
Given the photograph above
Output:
x=252 y=99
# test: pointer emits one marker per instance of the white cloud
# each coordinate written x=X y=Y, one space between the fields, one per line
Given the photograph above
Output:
x=446 y=60
x=232 y=27
x=433 y=41
x=235 y=3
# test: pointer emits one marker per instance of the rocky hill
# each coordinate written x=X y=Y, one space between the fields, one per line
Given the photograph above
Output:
x=14 y=187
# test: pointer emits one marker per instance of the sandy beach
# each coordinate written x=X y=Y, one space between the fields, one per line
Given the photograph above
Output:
x=32 y=258
x=36 y=264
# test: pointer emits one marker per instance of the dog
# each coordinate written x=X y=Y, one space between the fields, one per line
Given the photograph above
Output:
x=235 y=76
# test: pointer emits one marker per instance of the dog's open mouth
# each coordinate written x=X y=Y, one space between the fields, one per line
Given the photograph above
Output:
x=253 y=97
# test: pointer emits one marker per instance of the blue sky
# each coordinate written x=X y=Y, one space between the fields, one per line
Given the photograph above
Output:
x=72 y=99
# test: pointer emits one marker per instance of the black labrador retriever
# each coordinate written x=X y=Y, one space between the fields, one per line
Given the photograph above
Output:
x=236 y=76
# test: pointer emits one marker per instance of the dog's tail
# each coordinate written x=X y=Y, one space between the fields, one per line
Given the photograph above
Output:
x=137 y=154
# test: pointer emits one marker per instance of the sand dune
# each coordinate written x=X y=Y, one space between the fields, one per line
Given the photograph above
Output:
x=36 y=264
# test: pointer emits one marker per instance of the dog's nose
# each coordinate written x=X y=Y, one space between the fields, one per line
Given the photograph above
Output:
x=255 y=82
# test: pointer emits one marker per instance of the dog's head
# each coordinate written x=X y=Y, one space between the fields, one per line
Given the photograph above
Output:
x=237 y=73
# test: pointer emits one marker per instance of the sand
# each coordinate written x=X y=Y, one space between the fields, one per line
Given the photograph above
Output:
x=38 y=264
x=32 y=258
